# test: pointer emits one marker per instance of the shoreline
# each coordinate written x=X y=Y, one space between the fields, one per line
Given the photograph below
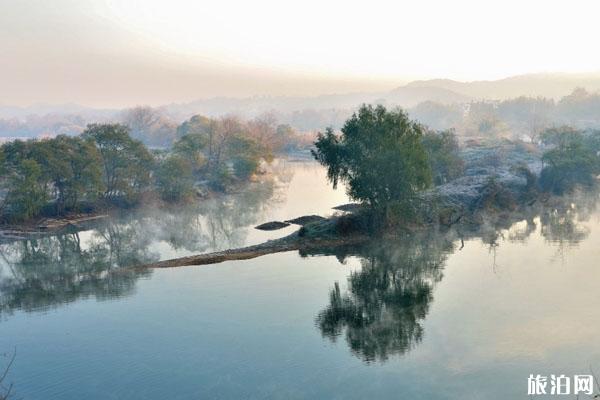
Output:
x=49 y=226
x=292 y=242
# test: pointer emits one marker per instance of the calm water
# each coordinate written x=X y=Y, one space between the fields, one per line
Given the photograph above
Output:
x=425 y=316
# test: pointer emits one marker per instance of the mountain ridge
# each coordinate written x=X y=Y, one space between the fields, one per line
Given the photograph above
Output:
x=440 y=90
x=545 y=84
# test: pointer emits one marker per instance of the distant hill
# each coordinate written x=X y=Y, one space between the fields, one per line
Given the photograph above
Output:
x=411 y=95
x=533 y=85
x=407 y=96
x=443 y=91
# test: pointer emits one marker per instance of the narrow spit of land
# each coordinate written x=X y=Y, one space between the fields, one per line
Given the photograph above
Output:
x=289 y=243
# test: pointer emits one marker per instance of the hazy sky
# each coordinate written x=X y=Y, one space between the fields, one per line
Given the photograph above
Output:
x=123 y=52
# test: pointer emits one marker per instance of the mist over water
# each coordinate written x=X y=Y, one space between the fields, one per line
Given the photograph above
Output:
x=51 y=270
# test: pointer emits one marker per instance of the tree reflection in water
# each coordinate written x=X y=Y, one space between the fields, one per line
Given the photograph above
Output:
x=50 y=271
x=214 y=224
x=386 y=301
x=382 y=311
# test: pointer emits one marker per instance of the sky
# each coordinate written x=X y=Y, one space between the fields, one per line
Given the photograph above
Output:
x=110 y=53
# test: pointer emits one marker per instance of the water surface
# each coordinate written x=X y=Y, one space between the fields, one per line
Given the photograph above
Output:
x=433 y=315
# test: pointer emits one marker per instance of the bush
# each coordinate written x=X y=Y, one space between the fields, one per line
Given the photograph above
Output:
x=571 y=161
x=444 y=158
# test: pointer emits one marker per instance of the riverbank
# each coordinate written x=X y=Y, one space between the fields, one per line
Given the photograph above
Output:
x=78 y=221
x=49 y=226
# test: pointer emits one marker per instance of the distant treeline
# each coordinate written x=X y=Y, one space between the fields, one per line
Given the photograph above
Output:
x=152 y=126
x=38 y=125
x=106 y=166
x=522 y=117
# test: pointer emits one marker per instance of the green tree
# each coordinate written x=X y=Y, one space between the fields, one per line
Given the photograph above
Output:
x=198 y=124
x=175 y=179
x=572 y=159
x=379 y=155
x=2 y=162
x=70 y=168
x=126 y=162
x=73 y=168
x=14 y=152
x=3 y=181
x=205 y=128
x=214 y=135
x=245 y=154
x=444 y=155
x=27 y=195
x=191 y=147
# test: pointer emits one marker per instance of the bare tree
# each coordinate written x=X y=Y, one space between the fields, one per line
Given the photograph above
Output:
x=6 y=389
x=264 y=130
x=140 y=119
x=150 y=125
x=227 y=127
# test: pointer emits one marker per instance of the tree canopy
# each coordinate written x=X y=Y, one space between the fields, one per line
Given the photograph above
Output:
x=379 y=155
x=65 y=170
x=106 y=166
x=126 y=162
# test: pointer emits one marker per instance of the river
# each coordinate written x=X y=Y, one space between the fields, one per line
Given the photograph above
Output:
x=432 y=315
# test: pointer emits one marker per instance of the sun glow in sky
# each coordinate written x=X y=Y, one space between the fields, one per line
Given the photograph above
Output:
x=460 y=39
x=88 y=50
